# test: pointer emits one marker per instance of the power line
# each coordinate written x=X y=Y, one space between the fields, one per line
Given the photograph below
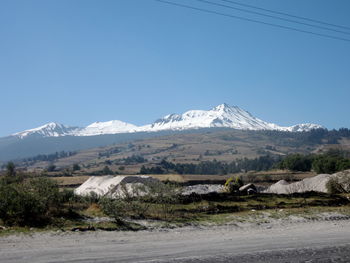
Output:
x=252 y=20
x=274 y=17
x=286 y=14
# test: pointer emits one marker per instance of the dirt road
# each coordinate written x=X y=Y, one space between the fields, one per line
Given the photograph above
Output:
x=325 y=241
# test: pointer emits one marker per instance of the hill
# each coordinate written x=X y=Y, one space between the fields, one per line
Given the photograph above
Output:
x=196 y=146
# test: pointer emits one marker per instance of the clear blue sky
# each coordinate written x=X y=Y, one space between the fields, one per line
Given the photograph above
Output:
x=76 y=62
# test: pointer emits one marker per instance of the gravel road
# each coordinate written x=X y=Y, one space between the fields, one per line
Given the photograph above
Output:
x=321 y=241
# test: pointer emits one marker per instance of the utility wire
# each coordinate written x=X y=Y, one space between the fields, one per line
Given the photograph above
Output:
x=252 y=20
x=274 y=17
x=286 y=14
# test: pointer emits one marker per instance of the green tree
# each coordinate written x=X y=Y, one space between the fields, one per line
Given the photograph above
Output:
x=51 y=168
x=10 y=169
x=76 y=167
x=297 y=162
x=106 y=170
x=233 y=184
x=29 y=202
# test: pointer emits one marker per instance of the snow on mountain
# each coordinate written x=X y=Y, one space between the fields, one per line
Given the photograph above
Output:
x=51 y=129
x=108 y=127
x=219 y=116
x=303 y=127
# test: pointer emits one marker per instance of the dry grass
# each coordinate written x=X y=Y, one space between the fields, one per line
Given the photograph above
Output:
x=66 y=181
x=169 y=177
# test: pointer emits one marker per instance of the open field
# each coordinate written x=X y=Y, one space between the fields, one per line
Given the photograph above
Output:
x=70 y=181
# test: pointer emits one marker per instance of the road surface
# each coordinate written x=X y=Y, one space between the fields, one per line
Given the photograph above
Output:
x=325 y=241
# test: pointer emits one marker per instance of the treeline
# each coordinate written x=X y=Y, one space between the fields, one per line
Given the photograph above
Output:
x=214 y=167
x=317 y=136
x=133 y=159
x=47 y=157
x=329 y=162
x=42 y=158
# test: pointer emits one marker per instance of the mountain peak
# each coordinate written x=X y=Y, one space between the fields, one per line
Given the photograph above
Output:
x=222 y=115
x=107 y=127
x=222 y=107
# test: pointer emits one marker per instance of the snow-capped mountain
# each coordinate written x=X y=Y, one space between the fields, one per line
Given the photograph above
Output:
x=51 y=129
x=108 y=127
x=219 y=116
x=302 y=127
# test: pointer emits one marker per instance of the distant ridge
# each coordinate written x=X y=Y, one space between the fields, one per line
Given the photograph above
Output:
x=223 y=116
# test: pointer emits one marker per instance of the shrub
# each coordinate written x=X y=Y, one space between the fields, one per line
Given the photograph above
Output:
x=76 y=167
x=51 y=168
x=166 y=195
x=128 y=204
x=135 y=201
x=11 y=169
x=233 y=184
x=29 y=202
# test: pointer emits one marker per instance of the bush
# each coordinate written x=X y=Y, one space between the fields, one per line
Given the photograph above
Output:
x=136 y=201
x=28 y=202
x=76 y=167
x=11 y=169
x=233 y=184
x=128 y=204
x=51 y=168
